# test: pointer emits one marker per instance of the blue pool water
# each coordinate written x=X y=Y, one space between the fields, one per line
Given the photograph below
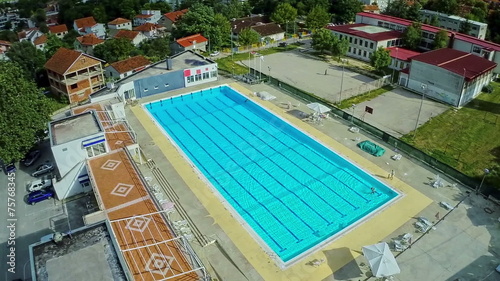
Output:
x=291 y=190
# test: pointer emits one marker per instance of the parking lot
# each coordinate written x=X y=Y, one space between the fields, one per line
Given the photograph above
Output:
x=31 y=222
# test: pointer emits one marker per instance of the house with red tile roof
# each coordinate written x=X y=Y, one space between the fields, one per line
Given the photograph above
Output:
x=448 y=75
x=168 y=20
x=192 y=42
x=150 y=30
x=135 y=37
x=4 y=47
x=74 y=74
x=89 y=25
x=87 y=43
x=59 y=30
x=120 y=23
x=30 y=34
x=124 y=68
x=40 y=42
x=147 y=16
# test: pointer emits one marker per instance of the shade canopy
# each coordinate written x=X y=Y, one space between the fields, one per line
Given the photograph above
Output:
x=318 y=107
x=381 y=260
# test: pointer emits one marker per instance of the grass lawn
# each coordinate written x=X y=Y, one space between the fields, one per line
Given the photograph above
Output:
x=364 y=97
x=230 y=64
x=467 y=139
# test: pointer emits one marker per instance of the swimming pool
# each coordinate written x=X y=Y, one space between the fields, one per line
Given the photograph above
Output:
x=292 y=191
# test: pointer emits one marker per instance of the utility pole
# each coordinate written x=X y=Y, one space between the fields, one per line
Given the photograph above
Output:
x=424 y=87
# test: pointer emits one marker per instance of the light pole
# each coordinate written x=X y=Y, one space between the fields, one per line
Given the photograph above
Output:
x=486 y=172
x=269 y=76
x=395 y=65
x=353 y=106
x=424 y=87
x=341 y=81
x=231 y=38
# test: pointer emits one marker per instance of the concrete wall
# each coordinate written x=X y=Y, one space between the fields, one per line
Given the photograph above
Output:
x=158 y=84
x=70 y=185
x=440 y=84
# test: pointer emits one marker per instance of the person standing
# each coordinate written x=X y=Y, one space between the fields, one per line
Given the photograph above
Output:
x=391 y=175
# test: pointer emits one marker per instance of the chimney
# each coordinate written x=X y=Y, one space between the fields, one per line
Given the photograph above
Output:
x=452 y=39
x=169 y=64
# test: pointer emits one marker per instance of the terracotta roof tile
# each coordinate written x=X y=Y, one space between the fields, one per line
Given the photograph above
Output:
x=247 y=22
x=147 y=27
x=119 y=21
x=89 y=40
x=174 y=16
x=63 y=60
x=267 y=29
x=40 y=40
x=188 y=41
x=5 y=43
x=402 y=53
x=141 y=16
x=85 y=22
x=130 y=64
x=127 y=34
x=58 y=28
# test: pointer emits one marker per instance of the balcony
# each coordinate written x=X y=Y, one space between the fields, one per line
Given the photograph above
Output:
x=83 y=76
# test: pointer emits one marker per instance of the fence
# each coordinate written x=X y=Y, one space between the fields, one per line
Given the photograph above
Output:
x=364 y=88
x=390 y=140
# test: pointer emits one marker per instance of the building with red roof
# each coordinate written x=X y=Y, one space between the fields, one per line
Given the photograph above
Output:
x=401 y=57
x=448 y=75
x=59 y=30
x=87 y=43
x=124 y=68
x=193 y=42
x=147 y=16
x=134 y=36
x=168 y=20
x=150 y=30
x=364 y=39
x=89 y=25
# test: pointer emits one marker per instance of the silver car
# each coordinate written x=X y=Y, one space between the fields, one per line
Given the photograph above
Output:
x=46 y=167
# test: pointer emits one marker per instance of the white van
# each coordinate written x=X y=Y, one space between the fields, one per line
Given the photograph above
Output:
x=39 y=184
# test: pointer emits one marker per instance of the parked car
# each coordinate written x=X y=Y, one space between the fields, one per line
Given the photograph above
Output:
x=39 y=196
x=10 y=168
x=39 y=184
x=31 y=157
x=283 y=44
x=214 y=54
x=46 y=167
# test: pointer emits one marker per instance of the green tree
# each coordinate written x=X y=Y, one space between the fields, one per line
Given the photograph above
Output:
x=284 y=13
x=156 y=49
x=403 y=9
x=8 y=35
x=70 y=37
x=115 y=50
x=99 y=13
x=8 y=25
x=412 y=36
x=465 y=27
x=235 y=9
x=441 y=40
x=346 y=10
x=339 y=46
x=494 y=25
x=322 y=40
x=24 y=112
x=29 y=59
x=218 y=33
x=39 y=17
x=380 y=59
x=318 y=17
x=248 y=37
x=53 y=44
x=434 y=21
x=449 y=7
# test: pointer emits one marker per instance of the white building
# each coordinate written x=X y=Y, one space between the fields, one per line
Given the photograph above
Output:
x=401 y=57
x=147 y=16
x=448 y=75
x=135 y=37
x=454 y=23
x=193 y=42
x=121 y=69
x=120 y=23
x=89 y=25
x=365 y=39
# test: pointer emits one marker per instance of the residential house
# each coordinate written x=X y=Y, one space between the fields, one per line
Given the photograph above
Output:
x=40 y=42
x=8 y=15
x=117 y=24
x=371 y=9
x=193 y=42
x=150 y=30
x=4 y=47
x=168 y=20
x=147 y=16
x=74 y=74
x=135 y=37
x=269 y=31
x=89 y=25
x=87 y=43
x=365 y=39
x=59 y=30
x=455 y=23
x=30 y=34
x=448 y=75
x=121 y=69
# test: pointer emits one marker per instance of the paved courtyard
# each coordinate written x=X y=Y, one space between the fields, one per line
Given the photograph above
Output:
x=463 y=245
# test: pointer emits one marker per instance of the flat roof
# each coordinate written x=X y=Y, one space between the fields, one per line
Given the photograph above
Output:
x=150 y=248
x=74 y=127
x=465 y=64
x=370 y=32
x=189 y=59
x=91 y=246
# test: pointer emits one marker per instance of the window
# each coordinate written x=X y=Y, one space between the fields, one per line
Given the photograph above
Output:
x=166 y=85
x=206 y=75
x=96 y=149
x=361 y=42
x=213 y=73
x=364 y=53
x=371 y=45
x=366 y=44
x=476 y=49
x=156 y=87
x=359 y=52
x=74 y=86
x=198 y=77
x=355 y=40
x=350 y=39
x=349 y=50
x=130 y=94
x=145 y=89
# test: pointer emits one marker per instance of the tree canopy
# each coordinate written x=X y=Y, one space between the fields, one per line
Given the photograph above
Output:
x=324 y=40
x=381 y=58
x=284 y=13
x=412 y=36
x=248 y=37
x=156 y=49
x=404 y=9
x=113 y=50
x=28 y=58
x=346 y=10
x=53 y=44
x=318 y=17
x=441 y=39
x=24 y=112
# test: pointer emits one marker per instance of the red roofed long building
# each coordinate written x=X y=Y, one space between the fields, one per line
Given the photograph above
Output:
x=168 y=20
x=74 y=74
x=124 y=68
x=448 y=75
x=192 y=42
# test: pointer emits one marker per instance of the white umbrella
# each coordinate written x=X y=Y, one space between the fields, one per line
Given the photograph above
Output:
x=381 y=260
x=318 y=107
